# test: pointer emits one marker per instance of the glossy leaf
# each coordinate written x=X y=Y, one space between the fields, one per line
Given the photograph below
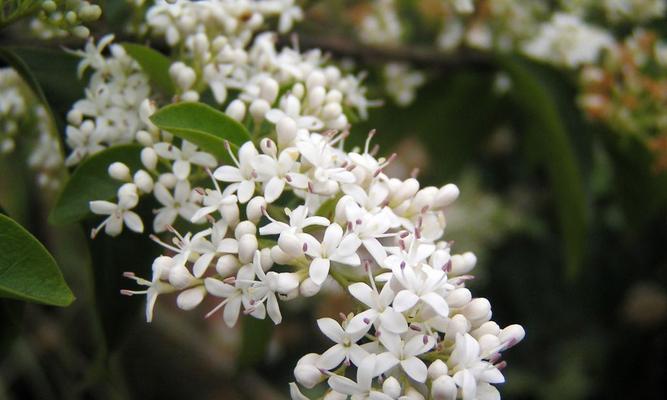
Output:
x=27 y=270
x=91 y=181
x=154 y=64
x=202 y=125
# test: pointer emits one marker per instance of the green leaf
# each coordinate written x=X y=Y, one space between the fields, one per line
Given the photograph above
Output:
x=202 y=125
x=27 y=271
x=556 y=152
x=256 y=337
x=154 y=64
x=91 y=181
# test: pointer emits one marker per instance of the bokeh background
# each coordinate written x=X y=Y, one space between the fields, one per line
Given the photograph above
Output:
x=567 y=214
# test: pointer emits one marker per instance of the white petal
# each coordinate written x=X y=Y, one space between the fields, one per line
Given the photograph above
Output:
x=437 y=303
x=181 y=169
x=349 y=245
x=273 y=309
x=295 y=393
x=343 y=385
x=133 y=221
x=415 y=368
x=190 y=298
x=165 y=217
x=393 y=321
x=405 y=300
x=357 y=354
x=376 y=249
x=331 y=329
x=218 y=288
x=273 y=228
x=299 y=181
x=385 y=362
x=228 y=245
x=273 y=189
x=162 y=195
x=202 y=264
x=245 y=191
x=362 y=321
x=232 y=310
x=319 y=270
x=466 y=381
x=227 y=173
x=204 y=159
x=363 y=293
x=102 y=207
x=114 y=225
x=331 y=358
x=332 y=237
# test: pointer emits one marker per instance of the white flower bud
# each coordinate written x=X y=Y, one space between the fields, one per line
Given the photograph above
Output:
x=316 y=96
x=477 y=309
x=75 y=117
x=227 y=265
x=119 y=171
x=391 y=387
x=81 y=32
x=259 y=108
x=243 y=228
x=127 y=196
x=180 y=277
x=424 y=198
x=512 y=334
x=266 y=260
x=168 y=180
x=254 y=208
x=162 y=265
x=290 y=244
x=144 y=138
x=269 y=89
x=334 y=96
x=298 y=90
x=190 y=298
x=332 y=73
x=315 y=78
x=90 y=13
x=308 y=288
x=230 y=213
x=461 y=264
x=306 y=373
x=333 y=395
x=286 y=129
x=71 y=17
x=49 y=6
x=487 y=328
x=402 y=190
x=488 y=344
x=149 y=158
x=287 y=282
x=280 y=256
x=143 y=181
x=247 y=248
x=459 y=297
x=190 y=96
x=146 y=110
x=332 y=111
x=446 y=196
x=236 y=110
x=437 y=369
x=444 y=388
x=457 y=324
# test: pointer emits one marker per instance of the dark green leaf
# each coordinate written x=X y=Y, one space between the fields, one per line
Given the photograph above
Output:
x=202 y=125
x=256 y=337
x=557 y=154
x=91 y=181
x=27 y=270
x=154 y=64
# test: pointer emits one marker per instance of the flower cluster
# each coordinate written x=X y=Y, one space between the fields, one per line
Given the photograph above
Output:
x=293 y=211
x=20 y=112
x=61 y=18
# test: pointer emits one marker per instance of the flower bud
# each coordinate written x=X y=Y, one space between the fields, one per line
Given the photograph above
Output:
x=290 y=244
x=190 y=96
x=331 y=111
x=190 y=298
x=268 y=90
x=127 y=196
x=168 y=180
x=247 y=248
x=488 y=344
x=161 y=266
x=119 y=171
x=487 y=328
x=268 y=147
x=280 y=256
x=243 y=228
x=391 y=387
x=236 y=110
x=227 y=265
x=437 y=369
x=512 y=334
x=143 y=181
x=259 y=108
x=287 y=282
x=315 y=79
x=230 y=213
x=81 y=32
x=266 y=261
x=144 y=138
x=286 y=129
x=334 y=96
x=461 y=264
x=402 y=190
x=254 y=208
x=75 y=117
x=446 y=196
x=180 y=277
x=424 y=198
x=308 y=288
x=316 y=96
x=413 y=394
x=306 y=373
x=459 y=297
x=477 y=309
x=444 y=388
x=149 y=158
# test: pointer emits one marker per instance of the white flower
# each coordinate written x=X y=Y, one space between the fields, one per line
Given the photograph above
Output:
x=405 y=353
x=269 y=284
x=469 y=369
x=184 y=156
x=363 y=387
x=235 y=296
x=424 y=285
x=177 y=204
x=379 y=308
x=275 y=172
x=335 y=247
x=243 y=175
x=118 y=213
x=346 y=347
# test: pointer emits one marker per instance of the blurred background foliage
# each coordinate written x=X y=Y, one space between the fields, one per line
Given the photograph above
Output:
x=568 y=218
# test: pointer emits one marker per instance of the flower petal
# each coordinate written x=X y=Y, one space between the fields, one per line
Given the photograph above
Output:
x=331 y=358
x=319 y=270
x=405 y=300
x=228 y=173
x=415 y=368
x=331 y=329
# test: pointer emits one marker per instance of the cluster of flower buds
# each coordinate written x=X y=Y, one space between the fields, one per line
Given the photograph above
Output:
x=60 y=18
x=20 y=111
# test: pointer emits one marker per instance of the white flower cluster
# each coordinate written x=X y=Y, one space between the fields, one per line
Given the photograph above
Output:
x=382 y=26
x=108 y=115
x=402 y=82
x=568 y=41
x=634 y=10
x=20 y=111
x=60 y=18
